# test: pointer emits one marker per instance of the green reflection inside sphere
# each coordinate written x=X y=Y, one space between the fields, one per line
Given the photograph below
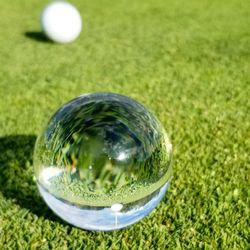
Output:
x=101 y=149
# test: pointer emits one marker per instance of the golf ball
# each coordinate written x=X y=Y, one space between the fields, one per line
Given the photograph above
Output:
x=103 y=162
x=61 y=22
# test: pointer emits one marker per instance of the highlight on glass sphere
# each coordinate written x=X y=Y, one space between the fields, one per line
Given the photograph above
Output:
x=103 y=162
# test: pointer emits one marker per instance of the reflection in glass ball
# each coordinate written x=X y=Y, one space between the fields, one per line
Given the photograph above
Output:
x=103 y=162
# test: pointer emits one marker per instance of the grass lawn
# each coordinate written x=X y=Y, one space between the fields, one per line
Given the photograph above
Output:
x=188 y=61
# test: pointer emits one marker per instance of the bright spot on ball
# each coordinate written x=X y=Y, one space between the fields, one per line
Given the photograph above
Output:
x=61 y=22
x=116 y=207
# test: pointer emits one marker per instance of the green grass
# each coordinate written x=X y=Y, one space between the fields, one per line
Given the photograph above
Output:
x=188 y=61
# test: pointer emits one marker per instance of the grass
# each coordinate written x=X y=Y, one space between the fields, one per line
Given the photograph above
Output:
x=188 y=61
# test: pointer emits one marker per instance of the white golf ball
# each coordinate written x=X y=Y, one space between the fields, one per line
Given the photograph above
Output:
x=61 y=22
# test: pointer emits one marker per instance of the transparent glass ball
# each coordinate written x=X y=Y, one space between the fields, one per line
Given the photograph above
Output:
x=103 y=162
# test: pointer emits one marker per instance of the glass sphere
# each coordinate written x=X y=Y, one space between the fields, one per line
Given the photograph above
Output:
x=103 y=162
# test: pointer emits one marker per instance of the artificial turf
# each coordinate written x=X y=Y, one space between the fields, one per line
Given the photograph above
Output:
x=188 y=61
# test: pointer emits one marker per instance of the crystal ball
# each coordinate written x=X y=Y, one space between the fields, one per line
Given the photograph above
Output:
x=103 y=162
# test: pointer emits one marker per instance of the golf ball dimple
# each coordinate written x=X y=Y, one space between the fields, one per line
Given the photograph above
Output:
x=61 y=22
x=103 y=162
